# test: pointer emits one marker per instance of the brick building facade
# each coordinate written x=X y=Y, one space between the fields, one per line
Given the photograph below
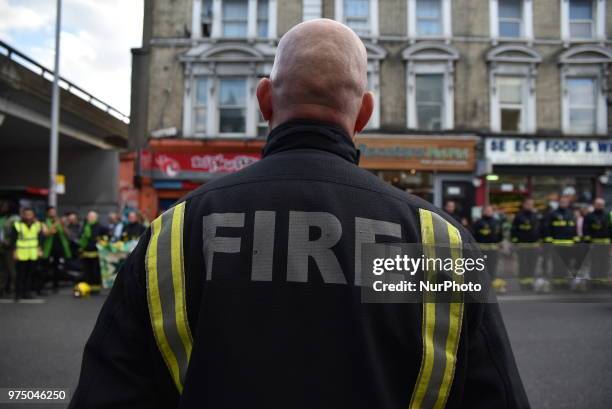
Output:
x=513 y=89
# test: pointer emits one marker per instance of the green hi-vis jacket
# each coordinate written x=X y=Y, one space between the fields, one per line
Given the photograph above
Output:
x=247 y=294
x=59 y=235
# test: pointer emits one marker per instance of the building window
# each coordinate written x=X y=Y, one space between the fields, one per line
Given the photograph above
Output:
x=512 y=92
x=582 y=98
x=581 y=21
x=429 y=17
x=512 y=78
x=429 y=101
x=232 y=105
x=359 y=15
x=311 y=9
x=262 y=18
x=356 y=15
x=510 y=18
x=430 y=85
x=235 y=18
x=200 y=105
x=207 y=18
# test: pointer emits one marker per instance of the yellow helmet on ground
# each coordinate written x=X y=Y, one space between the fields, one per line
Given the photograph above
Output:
x=81 y=290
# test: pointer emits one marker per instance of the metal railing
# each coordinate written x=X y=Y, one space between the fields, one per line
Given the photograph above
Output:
x=48 y=74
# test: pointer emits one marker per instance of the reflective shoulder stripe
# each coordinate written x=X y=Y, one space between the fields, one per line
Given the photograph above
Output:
x=441 y=327
x=166 y=292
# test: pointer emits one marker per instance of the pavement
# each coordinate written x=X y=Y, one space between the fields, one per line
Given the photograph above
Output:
x=563 y=349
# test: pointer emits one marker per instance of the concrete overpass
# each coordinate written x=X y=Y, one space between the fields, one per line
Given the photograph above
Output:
x=92 y=133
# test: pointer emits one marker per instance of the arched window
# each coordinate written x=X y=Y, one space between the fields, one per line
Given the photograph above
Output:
x=220 y=84
x=512 y=75
x=584 y=70
x=430 y=85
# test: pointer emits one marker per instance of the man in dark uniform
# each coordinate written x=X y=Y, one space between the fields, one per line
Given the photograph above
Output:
x=560 y=231
x=93 y=232
x=488 y=234
x=525 y=235
x=597 y=231
x=133 y=229
x=56 y=247
x=247 y=293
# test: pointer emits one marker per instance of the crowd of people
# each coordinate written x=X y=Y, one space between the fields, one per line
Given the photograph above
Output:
x=37 y=253
x=552 y=246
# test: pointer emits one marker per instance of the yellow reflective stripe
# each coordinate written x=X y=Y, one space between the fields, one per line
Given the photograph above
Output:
x=442 y=322
x=178 y=272
x=454 y=330
x=155 y=308
x=429 y=317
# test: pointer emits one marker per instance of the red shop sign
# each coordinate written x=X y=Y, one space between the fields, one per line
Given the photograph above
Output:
x=187 y=165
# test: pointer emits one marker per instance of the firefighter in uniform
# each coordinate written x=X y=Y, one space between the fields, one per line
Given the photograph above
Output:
x=93 y=232
x=525 y=235
x=26 y=233
x=560 y=231
x=56 y=247
x=488 y=234
x=247 y=292
x=597 y=231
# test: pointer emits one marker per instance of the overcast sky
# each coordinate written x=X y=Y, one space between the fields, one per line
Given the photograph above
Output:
x=96 y=38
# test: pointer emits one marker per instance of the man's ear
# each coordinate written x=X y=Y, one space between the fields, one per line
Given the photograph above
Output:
x=365 y=112
x=264 y=96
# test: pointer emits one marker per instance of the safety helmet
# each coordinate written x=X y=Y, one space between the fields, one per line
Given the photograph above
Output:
x=82 y=290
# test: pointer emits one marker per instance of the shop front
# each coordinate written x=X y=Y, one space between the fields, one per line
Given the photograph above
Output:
x=545 y=169
x=170 y=169
x=434 y=167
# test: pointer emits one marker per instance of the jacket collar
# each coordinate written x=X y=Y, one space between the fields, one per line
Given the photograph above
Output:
x=308 y=134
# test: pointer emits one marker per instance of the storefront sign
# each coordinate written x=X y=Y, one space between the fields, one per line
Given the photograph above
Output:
x=195 y=166
x=543 y=151
x=406 y=153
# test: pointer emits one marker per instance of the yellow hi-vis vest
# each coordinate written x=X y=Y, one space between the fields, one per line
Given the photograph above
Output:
x=27 y=245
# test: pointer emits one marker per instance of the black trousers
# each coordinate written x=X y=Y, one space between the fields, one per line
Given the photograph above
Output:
x=23 y=280
x=91 y=270
x=55 y=268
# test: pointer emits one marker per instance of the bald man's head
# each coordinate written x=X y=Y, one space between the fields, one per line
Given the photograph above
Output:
x=320 y=73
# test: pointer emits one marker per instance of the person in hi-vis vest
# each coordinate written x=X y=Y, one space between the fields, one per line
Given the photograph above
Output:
x=26 y=233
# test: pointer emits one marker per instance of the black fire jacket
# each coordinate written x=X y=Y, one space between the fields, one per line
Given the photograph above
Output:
x=264 y=311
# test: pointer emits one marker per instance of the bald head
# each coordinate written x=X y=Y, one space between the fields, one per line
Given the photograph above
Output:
x=320 y=73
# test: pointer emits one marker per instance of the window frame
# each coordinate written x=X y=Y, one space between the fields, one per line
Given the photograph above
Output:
x=441 y=104
x=219 y=107
x=430 y=67
x=598 y=23
x=217 y=25
x=445 y=21
x=339 y=15
x=592 y=107
x=591 y=21
x=523 y=106
x=224 y=21
x=439 y=20
x=526 y=32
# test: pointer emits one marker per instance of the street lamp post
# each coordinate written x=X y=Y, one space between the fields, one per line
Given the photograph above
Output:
x=55 y=101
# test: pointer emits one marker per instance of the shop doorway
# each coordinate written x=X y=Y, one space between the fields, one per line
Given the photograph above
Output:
x=462 y=193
